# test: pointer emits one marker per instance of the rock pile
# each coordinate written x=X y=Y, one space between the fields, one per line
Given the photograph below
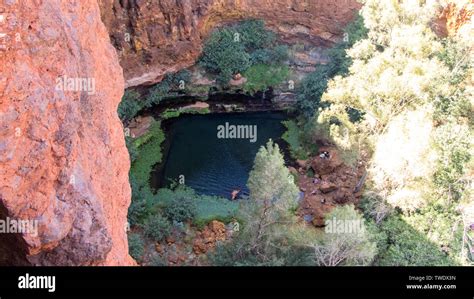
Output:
x=333 y=184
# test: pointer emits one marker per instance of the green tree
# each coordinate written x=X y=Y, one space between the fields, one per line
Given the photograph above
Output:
x=136 y=246
x=157 y=227
x=270 y=180
x=181 y=209
x=268 y=229
x=224 y=55
x=129 y=106
x=316 y=83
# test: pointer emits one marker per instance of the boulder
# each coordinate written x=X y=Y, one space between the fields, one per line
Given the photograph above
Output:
x=327 y=187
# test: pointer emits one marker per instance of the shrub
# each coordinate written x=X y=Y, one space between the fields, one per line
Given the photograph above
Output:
x=181 y=210
x=315 y=84
x=408 y=247
x=279 y=54
x=135 y=246
x=157 y=261
x=375 y=207
x=149 y=155
x=261 y=76
x=292 y=137
x=261 y=56
x=132 y=149
x=208 y=208
x=223 y=55
x=137 y=211
x=270 y=179
x=341 y=247
x=157 y=93
x=234 y=49
x=129 y=106
x=157 y=227
x=254 y=35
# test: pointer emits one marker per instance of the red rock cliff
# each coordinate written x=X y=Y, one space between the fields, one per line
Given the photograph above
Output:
x=157 y=37
x=63 y=161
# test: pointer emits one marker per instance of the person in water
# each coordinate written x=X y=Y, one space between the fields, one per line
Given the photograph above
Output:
x=235 y=193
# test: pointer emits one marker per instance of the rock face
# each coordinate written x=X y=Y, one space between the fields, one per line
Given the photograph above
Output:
x=334 y=183
x=63 y=161
x=157 y=37
x=456 y=18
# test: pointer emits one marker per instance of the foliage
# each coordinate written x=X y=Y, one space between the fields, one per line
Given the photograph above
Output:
x=181 y=209
x=135 y=246
x=316 y=83
x=375 y=207
x=157 y=227
x=223 y=55
x=129 y=106
x=260 y=76
x=157 y=261
x=254 y=35
x=172 y=112
x=132 y=148
x=411 y=91
x=270 y=235
x=137 y=211
x=149 y=155
x=157 y=93
x=454 y=144
x=293 y=138
x=345 y=247
x=270 y=180
x=207 y=208
x=233 y=49
x=269 y=56
x=408 y=247
x=147 y=148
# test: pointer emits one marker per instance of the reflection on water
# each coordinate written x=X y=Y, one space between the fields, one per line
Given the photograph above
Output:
x=211 y=165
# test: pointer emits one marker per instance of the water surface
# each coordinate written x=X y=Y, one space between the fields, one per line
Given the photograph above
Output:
x=211 y=165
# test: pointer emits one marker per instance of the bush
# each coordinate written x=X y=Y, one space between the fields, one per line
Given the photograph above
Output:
x=149 y=154
x=292 y=137
x=174 y=80
x=129 y=106
x=234 y=49
x=157 y=261
x=261 y=77
x=157 y=93
x=345 y=247
x=135 y=246
x=181 y=210
x=280 y=54
x=261 y=56
x=208 y=208
x=157 y=227
x=137 y=211
x=132 y=149
x=315 y=84
x=223 y=55
x=408 y=247
x=254 y=35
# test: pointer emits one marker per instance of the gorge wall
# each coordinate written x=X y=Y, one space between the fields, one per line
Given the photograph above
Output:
x=63 y=161
x=157 y=37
